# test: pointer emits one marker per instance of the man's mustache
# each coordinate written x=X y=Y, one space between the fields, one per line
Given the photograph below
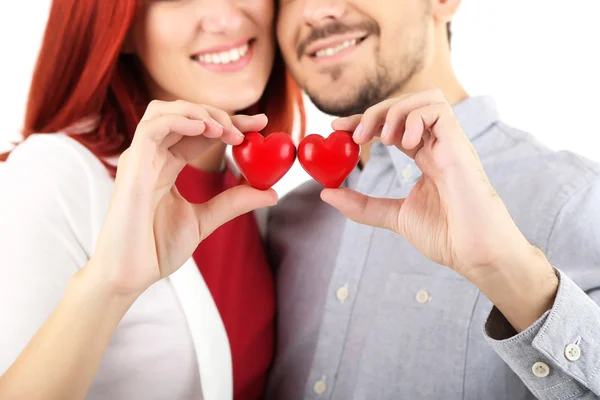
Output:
x=336 y=28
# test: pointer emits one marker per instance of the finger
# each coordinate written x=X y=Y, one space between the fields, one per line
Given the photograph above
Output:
x=231 y=134
x=346 y=123
x=174 y=142
x=372 y=122
x=157 y=108
x=156 y=130
x=436 y=118
x=394 y=127
x=199 y=112
x=392 y=133
x=250 y=123
x=230 y=204
x=214 y=129
x=412 y=152
x=363 y=209
x=190 y=148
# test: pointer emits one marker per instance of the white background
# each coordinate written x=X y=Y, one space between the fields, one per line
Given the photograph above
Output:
x=540 y=60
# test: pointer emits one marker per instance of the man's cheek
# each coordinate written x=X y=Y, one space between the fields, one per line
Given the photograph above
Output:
x=287 y=47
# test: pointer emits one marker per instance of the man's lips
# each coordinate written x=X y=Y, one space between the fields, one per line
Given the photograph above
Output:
x=333 y=42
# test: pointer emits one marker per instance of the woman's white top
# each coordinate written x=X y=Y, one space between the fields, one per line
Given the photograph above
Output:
x=171 y=344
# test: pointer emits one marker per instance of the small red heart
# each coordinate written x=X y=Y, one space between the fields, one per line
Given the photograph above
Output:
x=329 y=161
x=264 y=161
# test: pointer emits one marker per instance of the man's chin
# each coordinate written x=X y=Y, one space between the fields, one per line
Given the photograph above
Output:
x=342 y=98
x=340 y=106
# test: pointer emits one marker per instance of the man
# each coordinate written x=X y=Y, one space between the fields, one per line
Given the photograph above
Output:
x=390 y=303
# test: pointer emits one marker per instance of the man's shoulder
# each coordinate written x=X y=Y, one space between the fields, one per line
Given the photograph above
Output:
x=538 y=184
x=522 y=157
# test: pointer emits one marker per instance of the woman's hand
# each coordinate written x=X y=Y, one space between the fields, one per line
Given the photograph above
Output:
x=148 y=233
x=150 y=229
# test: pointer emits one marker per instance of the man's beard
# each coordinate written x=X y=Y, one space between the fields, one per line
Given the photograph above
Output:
x=375 y=87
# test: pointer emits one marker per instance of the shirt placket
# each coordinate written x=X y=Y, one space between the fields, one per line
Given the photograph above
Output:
x=344 y=286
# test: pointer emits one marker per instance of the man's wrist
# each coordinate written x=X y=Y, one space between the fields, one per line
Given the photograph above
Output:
x=522 y=286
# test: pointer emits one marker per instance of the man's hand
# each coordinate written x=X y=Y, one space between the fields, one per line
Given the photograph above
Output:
x=453 y=214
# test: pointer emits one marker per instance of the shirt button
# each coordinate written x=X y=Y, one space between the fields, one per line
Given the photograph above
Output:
x=407 y=172
x=320 y=387
x=540 y=369
x=572 y=352
x=422 y=296
x=342 y=294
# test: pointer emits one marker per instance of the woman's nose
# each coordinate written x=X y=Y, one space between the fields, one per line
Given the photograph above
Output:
x=220 y=16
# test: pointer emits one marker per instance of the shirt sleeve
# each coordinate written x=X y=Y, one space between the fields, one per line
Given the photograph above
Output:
x=558 y=357
x=44 y=236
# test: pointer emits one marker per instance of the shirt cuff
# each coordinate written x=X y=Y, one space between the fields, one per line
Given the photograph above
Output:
x=558 y=356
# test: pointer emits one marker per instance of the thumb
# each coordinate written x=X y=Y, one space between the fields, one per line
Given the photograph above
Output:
x=346 y=123
x=363 y=209
x=250 y=123
x=231 y=204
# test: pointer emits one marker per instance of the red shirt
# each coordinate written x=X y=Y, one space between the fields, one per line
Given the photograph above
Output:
x=234 y=266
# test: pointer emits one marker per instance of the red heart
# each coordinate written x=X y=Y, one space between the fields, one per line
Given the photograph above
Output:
x=264 y=161
x=329 y=161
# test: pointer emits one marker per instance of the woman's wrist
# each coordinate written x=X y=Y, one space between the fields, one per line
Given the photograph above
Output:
x=72 y=341
x=91 y=283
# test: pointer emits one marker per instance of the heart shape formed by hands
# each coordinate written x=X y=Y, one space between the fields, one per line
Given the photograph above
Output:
x=264 y=161
x=329 y=161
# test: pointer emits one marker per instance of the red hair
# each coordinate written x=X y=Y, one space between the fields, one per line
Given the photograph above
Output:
x=82 y=77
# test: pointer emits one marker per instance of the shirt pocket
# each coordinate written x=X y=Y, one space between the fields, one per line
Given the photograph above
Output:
x=417 y=342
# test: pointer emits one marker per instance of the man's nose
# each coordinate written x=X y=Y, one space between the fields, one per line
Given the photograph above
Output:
x=319 y=12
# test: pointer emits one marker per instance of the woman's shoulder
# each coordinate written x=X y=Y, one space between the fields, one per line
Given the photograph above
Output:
x=54 y=160
x=52 y=182
x=54 y=154
x=52 y=173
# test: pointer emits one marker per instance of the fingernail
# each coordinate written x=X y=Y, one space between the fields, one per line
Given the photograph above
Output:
x=218 y=125
x=385 y=130
x=337 y=122
x=238 y=132
x=358 y=131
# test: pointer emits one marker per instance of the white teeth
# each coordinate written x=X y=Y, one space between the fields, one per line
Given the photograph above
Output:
x=333 y=50
x=224 y=57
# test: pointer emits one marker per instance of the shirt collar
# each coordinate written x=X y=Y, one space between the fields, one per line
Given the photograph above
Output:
x=475 y=115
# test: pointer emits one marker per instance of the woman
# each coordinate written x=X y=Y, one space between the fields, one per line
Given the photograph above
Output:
x=84 y=307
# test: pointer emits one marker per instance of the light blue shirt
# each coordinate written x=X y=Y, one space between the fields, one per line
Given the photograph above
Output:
x=363 y=315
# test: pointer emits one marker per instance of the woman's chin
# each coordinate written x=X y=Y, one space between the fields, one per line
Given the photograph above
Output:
x=236 y=101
